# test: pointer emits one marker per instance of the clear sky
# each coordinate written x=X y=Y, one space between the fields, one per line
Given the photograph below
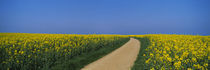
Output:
x=106 y=16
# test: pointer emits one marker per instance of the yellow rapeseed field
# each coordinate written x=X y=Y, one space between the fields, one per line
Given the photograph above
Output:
x=29 y=51
x=180 y=52
x=164 y=52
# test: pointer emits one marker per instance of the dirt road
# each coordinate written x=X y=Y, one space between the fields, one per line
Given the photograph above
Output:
x=121 y=59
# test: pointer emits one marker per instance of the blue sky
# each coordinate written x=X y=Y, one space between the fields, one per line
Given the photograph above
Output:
x=106 y=16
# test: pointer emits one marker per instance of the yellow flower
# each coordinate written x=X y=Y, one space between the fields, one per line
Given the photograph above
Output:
x=21 y=52
x=197 y=66
x=185 y=54
x=147 y=61
x=194 y=59
x=151 y=54
x=169 y=59
x=17 y=61
x=152 y=69
x=205 y=64
x=164 y=52
x=177 y=64
x=46 y=42
x=15 y=51
x=29 y=56
x=176 y=56
x=181 y=58
x=10 y=52
x=189 y=69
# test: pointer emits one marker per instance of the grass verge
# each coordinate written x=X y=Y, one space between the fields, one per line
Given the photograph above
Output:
x=139 y=63
x=78 y=62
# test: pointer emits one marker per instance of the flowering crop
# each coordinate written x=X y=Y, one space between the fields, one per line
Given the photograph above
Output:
x=181 y=52
x=35 y=51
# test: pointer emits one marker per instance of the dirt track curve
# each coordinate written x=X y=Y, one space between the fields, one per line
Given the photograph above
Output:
x=121 y=59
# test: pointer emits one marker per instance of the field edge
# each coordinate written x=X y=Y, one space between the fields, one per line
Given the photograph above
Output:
x=78 y=62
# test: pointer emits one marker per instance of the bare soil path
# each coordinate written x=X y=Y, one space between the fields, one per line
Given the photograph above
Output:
x=121 y=59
